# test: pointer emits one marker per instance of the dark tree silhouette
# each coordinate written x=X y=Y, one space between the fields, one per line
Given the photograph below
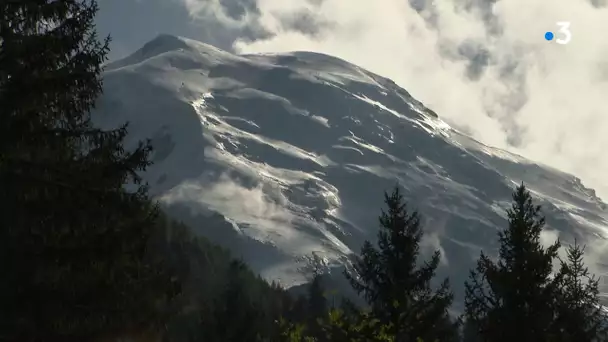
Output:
x=73 y=241
x=514 y=298
x=580 y=315
x=399 y=291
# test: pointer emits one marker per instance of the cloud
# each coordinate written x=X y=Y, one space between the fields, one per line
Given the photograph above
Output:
x=235 y=14
x=432 y=238
x=481 y=64
x=595 y=257
x=597 y=261
x=548 y=237
x=263 y=207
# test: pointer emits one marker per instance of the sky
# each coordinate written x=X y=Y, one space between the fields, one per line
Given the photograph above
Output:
x=483 y=65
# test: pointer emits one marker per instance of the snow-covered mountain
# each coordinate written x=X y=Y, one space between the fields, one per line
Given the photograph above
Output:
x=280 y=156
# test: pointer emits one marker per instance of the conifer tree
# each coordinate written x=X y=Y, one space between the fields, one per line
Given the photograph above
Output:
x=237 y=317
x=317 y=306
x=513 y=298
x=73 y=241
x=397 y=289
x=580 y=316
x=470 y=332
x=338 y=326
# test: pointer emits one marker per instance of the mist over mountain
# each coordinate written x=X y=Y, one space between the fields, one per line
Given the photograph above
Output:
x=281 y=156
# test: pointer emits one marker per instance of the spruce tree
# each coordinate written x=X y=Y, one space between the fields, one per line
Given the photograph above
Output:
x=73 y=241
x=470 y=332
x=237 y=315
x=514 y=298
x=395 y=286
x=339 y=326
x=317 y=306
x=580 y=315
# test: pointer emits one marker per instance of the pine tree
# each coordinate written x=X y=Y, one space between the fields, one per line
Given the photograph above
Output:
x=338 y=326
x=237 y=317
x=317 y=305
x=470 y=332
x=397 y=289
x=580 y=316
x=514 y=298
x=290 y=332
x=73 y=241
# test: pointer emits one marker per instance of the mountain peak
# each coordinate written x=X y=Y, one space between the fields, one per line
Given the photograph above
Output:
x=161 y=44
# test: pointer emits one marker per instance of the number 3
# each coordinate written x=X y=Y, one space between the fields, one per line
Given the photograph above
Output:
x=564 y=27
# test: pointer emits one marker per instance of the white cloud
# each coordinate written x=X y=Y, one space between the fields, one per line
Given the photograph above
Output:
x=548 y=237
x=264 y=208
x=597 y=260
x=549 y=98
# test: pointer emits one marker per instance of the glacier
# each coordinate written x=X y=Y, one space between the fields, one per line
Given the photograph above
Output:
x=283 y=159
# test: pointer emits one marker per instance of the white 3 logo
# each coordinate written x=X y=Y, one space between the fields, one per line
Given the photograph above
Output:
x=564 y=28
